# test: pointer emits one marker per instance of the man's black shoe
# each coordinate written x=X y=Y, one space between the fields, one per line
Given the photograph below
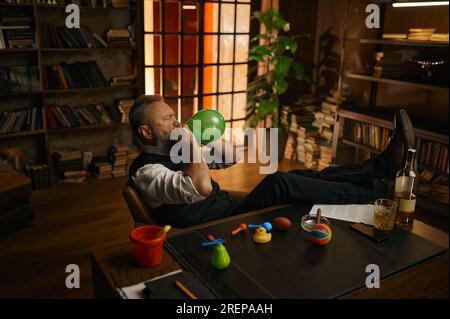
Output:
x=403 y=125
x=402 y=139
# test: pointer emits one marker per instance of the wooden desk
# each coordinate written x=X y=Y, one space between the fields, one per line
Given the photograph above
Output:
x=115 y=266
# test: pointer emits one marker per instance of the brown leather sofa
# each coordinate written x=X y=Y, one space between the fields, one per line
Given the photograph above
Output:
x=15 y=192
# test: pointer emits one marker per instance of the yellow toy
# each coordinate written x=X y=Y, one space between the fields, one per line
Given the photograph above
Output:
x=262 y=236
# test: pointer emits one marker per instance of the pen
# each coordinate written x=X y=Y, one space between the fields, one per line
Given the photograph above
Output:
x=186 y=291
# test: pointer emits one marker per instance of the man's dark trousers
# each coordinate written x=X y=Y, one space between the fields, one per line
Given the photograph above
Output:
x=347 y=184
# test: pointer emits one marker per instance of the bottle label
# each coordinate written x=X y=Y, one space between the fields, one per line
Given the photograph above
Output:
x=407 y=205
x=403 y=184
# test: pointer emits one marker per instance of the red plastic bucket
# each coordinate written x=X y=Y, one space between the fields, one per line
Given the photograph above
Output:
x=147 y=250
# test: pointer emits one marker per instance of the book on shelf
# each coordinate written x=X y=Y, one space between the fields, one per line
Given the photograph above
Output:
x=387 y=64
x=432 y=155
x=123 y=80
x=100 y=39
x=366 y=134
x=16 y=28
x=439 y=37
x=394 y=36
x=80 y=116
x=118 y=37
x=19 y=78
x=120 y=3
x=20 y=120
x=61 y=37
x=75 y=75
x=420 y=34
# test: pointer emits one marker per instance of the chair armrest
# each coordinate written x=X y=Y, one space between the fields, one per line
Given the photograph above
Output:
x=14 y=156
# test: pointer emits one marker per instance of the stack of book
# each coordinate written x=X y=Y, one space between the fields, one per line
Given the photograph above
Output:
x=118 y=154
x=75 y=75
x=69 y=166
x=39 y=175
x=84 y=115
x=18 y=120
x=326 y=155
x=16 y=29
x=101 y=168
x=122 y=80
x=19 y=78
x=420 y=34
x=387 y=64
x=289 y=149
x=62 y=37
x=118 y=37
x=124 y=105
x=439 y=37
x=301 y=116
x=394 y=36
x=305 y=151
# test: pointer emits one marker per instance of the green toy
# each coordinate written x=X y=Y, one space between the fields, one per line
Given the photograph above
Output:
x=208 y=119
x=220 y=258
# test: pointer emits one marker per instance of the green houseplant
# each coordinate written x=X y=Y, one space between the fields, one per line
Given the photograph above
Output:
x=276 y=52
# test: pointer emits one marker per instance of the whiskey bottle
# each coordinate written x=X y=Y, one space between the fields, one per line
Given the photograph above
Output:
x=404 y=194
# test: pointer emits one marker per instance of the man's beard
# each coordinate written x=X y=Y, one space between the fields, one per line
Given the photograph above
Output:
x=162 y=141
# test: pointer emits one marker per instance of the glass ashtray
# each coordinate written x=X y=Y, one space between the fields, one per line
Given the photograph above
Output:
x=309 y=221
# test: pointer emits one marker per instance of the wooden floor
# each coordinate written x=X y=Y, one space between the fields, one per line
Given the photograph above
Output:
x=73 y=220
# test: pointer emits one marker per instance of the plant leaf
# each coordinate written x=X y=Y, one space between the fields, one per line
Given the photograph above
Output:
x=266 y=107
x=282 y=66
x=281 y=86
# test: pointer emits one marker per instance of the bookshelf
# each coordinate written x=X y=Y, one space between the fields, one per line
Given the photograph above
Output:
x=113 y=60
x=360 y=130
x=367 y=77
x=406 y=43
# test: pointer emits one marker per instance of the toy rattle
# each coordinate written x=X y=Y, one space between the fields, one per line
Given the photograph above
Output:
x=239 y=229
x=266 y=225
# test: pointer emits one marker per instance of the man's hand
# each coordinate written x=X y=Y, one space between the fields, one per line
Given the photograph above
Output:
x=198 y=171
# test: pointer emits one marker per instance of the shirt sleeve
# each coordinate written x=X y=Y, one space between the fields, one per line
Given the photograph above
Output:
x=160 y=185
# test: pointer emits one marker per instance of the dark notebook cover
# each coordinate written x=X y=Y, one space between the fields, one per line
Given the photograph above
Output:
x=164 y=288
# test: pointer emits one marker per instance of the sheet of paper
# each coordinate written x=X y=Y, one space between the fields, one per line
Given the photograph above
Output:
x=350 y=213
x=137 y=291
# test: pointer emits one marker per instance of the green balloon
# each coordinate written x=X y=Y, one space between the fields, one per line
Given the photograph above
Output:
x=208 y=119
